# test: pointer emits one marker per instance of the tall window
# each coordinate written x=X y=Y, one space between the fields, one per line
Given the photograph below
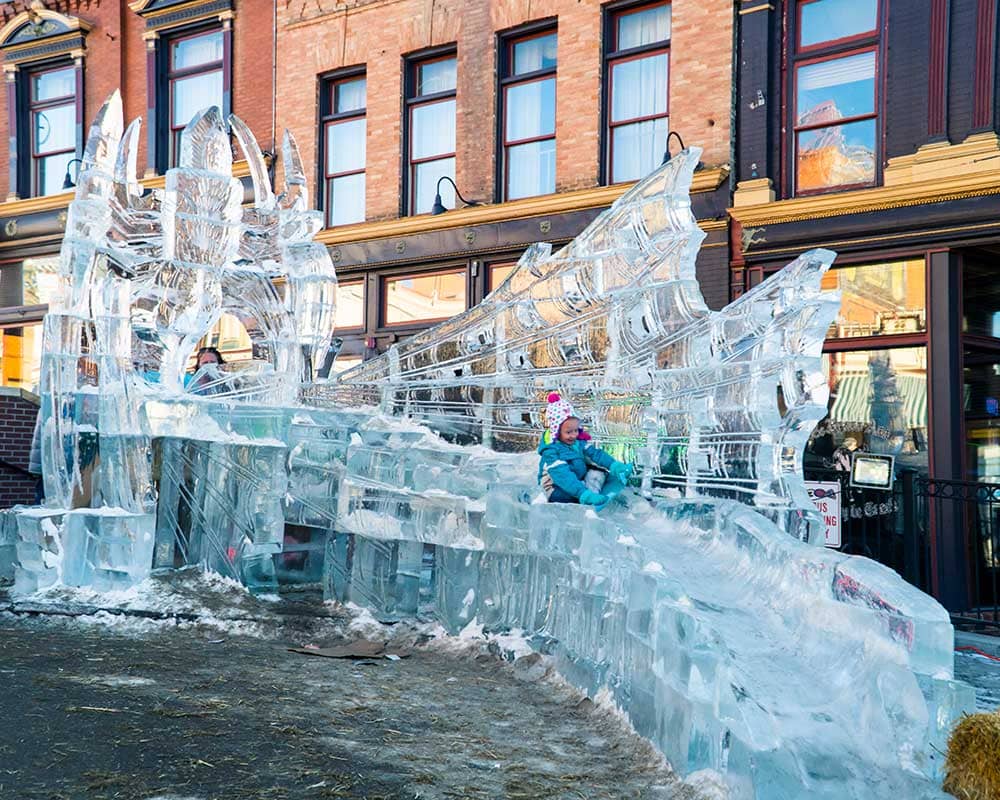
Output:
x=637 y=70
x=52 y=123
x=528 y=89
x=343 y=106
x=430 y=108
x=194 y=81
x=835 y=93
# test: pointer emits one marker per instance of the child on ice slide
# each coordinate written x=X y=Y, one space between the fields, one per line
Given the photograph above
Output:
x=571 y=470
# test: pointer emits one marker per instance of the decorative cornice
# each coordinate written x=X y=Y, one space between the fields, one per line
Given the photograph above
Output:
x=48 y=33
x=704 y=181
x=71 y=44
x=51 y=202
x=181 y=12
x=839 y=204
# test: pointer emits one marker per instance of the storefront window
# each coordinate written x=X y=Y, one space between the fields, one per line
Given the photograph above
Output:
x=980 y=299
x=499 y=273
x=350 y=305
x=879 y=299
x=230 y=338
x=21 y=356
x=40 y=279
x=31 y=282
x=878 y=404
x=423 y=298
x=344 y=363
x=981 y=401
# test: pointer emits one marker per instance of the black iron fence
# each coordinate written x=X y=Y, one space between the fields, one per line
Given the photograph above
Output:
x=923 y=528
x=963 y=519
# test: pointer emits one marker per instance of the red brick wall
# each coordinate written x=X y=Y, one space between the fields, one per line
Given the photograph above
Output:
x=320 y=36
x=17 y=423
x=116 y=59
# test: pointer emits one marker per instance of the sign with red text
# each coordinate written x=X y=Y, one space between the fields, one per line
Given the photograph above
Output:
x=826 y=497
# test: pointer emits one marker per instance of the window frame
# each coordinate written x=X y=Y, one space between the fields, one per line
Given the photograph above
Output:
x=507 y=80
x=612 y=56
x=31 y=107
x=411 y=101
x=329 y=117
x=844 y=47
x=24 y=180
x=352 y=280
x=172 y=133
x=384 y=278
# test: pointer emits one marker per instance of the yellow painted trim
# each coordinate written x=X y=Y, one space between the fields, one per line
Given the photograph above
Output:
x=978 y=154
x=752 y=9
x=704 y=181
x=73 y=23
x=34 y=205
x=171 y=9
x=753 y=192
x=68 y=39
x=888 y=237
x=857 y=202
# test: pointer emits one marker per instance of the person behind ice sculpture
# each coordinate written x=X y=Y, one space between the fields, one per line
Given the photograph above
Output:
x=203 y=383
x=570 y=469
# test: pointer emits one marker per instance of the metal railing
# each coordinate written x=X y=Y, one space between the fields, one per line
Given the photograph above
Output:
x=973 y=511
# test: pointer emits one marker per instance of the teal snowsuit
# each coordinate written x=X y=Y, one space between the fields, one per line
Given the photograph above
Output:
x=563 y=467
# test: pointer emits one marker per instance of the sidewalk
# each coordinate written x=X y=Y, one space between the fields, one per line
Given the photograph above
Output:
x=973 y=665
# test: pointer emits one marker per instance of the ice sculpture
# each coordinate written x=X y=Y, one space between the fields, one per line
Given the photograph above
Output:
x=699 y=600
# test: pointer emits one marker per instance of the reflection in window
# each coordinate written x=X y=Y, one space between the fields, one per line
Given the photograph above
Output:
x=52 y=126
x=350 y=300
x=423 y=298
x=344 y=137
x=879 y=299
x=499 y=273
x=529 y=116
x=836 y=98
x=981 y=378
x=638 y=64
x=980 y=297
x=21 y=356
x=831 y=20
x=431 y=132
x=878 y=404
x=344 y=363
x=194 y=80
x=32 y=282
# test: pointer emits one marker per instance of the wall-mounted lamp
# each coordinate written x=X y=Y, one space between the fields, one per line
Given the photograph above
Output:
x=666 y=152
x=68 y=182
x=438 y=207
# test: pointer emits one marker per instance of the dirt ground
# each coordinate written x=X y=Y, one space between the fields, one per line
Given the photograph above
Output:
x=192 y=713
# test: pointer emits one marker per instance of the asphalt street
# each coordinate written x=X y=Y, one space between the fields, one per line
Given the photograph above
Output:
x=187 y=712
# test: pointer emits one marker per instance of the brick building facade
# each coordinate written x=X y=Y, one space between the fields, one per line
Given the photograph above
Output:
x=17 y=422
x=387 y=246
x=61 y=60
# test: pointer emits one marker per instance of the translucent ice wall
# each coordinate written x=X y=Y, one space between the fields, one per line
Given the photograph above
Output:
x=792 y=670
x=128 y=439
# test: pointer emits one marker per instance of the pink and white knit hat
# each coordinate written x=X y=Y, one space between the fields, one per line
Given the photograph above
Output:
x=557 y=413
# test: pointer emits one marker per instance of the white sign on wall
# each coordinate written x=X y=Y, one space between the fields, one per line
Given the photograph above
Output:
x=826 y=496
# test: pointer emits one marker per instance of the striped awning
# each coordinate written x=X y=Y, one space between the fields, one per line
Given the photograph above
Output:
x=854 y=399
